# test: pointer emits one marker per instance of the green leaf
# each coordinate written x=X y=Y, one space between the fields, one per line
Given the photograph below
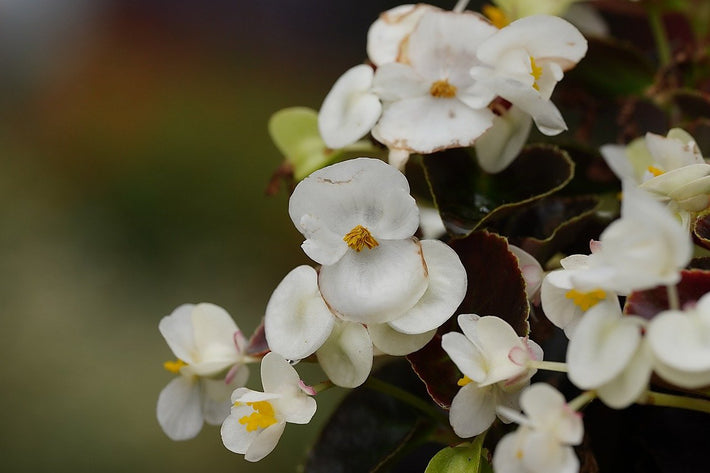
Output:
x=295 y=133
x=693 y=285
x=464 y=458
x=613 y=67
x=370 y=431
x=469 y=199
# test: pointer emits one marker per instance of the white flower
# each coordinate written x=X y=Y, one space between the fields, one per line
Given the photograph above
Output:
x=210 y=352
x=523 y=62
x=670 y=168
x=543 y=442
x=350 y=109
x=258 y=419
x=493 y=360
x=387 y=34
x=531 y=270
x=680 y=343
x=563 y=302
x=645 y=248
x=355 y=204
x=608 y=353
x=498 y=147
x=430 y=102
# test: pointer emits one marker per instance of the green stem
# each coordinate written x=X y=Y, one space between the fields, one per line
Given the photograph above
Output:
x=652 y=398
x=408 y=398
x=324 y=386
x=655 y=19
x=582 y=400
x=673 y=299
x=548 y=365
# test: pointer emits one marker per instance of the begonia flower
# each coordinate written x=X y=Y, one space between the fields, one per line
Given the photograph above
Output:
x=350 y=109
x=564 y=303
x=493 y=359
x=498 y=147
x=430 y=101
x=670 y=168
x=609 y=354
x=523 y=62
x=210 y=351
x=257 y=419
x=679 y=343
x=646 y=247
x=543 y=442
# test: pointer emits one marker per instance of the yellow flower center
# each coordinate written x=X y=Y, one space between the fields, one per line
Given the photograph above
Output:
x=585 y=300
x=536 y=72
x=174 y=366
x=442 y=88
x=496 y=16
x=655 y=171
x=464 y=381
x=261 y=418
x=360 y=237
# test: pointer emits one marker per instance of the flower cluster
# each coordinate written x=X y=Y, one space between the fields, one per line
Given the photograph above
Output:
x=504 y=255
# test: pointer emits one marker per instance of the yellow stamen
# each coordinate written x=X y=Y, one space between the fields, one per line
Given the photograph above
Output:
x=261 y=418
x=442 y=88
x=519 y=454
x=536 y=72
x=585 y=300
x=496 y=16
x=464 y=381
x=655 y=171
x=360 y=237
x=174 y=366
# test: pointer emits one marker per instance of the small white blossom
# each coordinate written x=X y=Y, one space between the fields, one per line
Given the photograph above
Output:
x=210 y=351
x=670 y=168
x=608 y=353
x=494 y=361
x=645 y=248
x=543 y=443
x=257 y=420
x=523 y=62
x=680 y=345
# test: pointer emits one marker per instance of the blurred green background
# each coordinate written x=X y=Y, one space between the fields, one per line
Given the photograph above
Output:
x=134 y=158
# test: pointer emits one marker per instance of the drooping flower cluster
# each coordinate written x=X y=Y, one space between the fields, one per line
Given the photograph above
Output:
x=441 y=79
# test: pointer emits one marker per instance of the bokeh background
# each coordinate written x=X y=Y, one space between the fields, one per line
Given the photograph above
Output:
x=134 y=156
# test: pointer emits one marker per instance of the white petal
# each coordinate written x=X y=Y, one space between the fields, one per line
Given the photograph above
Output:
x=297 y=320
x=398 y=81
x=496 y=340
x=465 y=355
x=390 y=29
x=508 y=453
x=334 y=200
x=244 y=395
x=473 y=410
x=346 y=357
x=177 y=330
x=214 y=339
x=375 y=285
x=180 y=409
x=277 y=374
x=543 y=453
x=265 y=442
x=297 y=409
x=531 y=270
x=427 y=124
x=235 y=436
x=547 y=409
x=350 y=109
x=602 y=346
x=395 y=343
x=503 y=141
x=216 y=400
x=628 y=386
x=544 y=37
x=617 y=159
x=446 y=290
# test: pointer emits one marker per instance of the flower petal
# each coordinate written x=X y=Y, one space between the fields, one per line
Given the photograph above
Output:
x=392 y=342
x=177 y=330
x=216 y=400
x=465 y=355
x=446 y=290
x=298 y=409
x=503 y=141
x=277 y=375
x=346 y=357
x=392 y=27
x=214 y=338
x=375 y=285
x=265 y=442
x=297 y=320
x=473 y=410
x=350 y=109
x=180 y=409
x=628 y=386
x=235 y=436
